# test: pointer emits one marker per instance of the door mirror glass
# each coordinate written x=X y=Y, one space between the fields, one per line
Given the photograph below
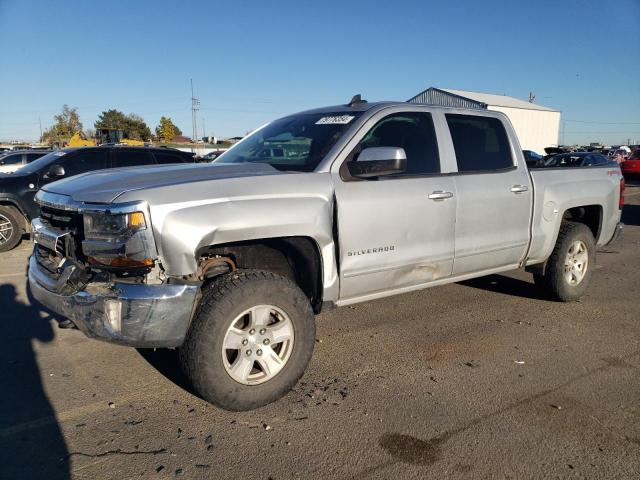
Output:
x=55 y=171
x=378 y=162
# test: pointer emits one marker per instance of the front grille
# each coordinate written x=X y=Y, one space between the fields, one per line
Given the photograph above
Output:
x=69 y=245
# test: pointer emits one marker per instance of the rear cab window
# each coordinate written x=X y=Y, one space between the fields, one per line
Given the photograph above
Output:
x=481 y=143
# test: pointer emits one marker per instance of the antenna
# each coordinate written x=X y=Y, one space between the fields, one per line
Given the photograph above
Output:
x=356 y=100
x=194 y=108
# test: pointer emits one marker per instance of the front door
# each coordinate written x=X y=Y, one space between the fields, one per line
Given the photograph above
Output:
x=396 y=231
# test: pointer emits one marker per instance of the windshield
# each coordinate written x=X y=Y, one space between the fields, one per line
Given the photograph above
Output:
x=295 y=143
x=41 y=162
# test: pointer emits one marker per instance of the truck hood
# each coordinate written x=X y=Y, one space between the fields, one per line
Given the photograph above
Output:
x=104 y=186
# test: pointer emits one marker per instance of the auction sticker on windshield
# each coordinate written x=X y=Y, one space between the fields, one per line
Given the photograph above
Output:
x=335 y=120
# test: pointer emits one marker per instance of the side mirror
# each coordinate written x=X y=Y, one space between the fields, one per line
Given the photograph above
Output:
x=55 y=171
x=378 y=162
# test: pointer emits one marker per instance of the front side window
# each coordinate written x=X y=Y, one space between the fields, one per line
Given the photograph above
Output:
x=295 y=143
x=84 y=161
x=33 y=156
x=15 y=159
x=412 y=131
x=481 y=143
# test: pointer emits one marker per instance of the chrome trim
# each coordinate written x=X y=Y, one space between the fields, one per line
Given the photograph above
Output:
x=47 y=236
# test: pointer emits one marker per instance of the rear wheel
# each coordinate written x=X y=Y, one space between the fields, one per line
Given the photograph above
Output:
x=10 y=228
x=568 y=270
x=250 y=340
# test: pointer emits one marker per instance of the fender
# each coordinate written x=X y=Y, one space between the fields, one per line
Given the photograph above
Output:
x=245 y=209
x=556 y=192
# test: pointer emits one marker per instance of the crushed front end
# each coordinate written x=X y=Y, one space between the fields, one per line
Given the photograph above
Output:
x=97 y=265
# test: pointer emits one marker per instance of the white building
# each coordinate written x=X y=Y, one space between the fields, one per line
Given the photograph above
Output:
x=537 y=127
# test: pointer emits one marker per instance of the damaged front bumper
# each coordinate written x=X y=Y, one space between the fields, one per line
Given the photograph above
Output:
x=137 y=315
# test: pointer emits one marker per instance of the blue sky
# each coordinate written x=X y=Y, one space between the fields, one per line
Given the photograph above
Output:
x=253 y=61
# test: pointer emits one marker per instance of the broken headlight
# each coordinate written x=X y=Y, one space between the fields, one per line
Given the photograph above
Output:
x=118 y=240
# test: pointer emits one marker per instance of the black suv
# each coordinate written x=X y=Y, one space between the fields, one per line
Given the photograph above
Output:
x=17 y=189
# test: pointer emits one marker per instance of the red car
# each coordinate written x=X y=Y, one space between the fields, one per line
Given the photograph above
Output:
x=631 y=166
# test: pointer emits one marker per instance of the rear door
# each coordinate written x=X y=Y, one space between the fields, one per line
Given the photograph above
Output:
x=494 y=195
x=396 y=231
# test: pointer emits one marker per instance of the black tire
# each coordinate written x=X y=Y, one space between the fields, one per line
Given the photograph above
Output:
x=222 y=301
x=554 y=282
x=14 y=217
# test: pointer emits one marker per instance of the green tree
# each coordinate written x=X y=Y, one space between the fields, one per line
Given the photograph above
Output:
x=166 y=130
x=64 y=126
x=133 y=126
x=136 y=128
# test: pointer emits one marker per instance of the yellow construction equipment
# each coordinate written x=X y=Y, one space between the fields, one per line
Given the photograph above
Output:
x=79 y=140
x=103 y=135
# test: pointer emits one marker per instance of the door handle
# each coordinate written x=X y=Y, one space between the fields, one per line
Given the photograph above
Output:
x=440 y=195
x=519 y=188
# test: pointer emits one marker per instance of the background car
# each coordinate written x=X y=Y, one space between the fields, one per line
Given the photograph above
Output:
x=631 y=166
x=12 y=160
x=211 y=155
x=18 y=189
x=532 y=158
x=577 y=159
x=619 y=155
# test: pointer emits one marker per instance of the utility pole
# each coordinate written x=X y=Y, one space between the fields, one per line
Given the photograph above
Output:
x=194 y=108
x=204 y=129
x=40 y=122
x=532 y=97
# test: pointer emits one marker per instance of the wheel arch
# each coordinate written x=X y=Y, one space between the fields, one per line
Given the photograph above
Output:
x=298 y=258
x=9 y=202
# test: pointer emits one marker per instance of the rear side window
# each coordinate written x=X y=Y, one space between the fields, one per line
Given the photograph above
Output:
x=412 y=131
x=481 y=143
x=169 y=157
x=131 y=158
x=11 y=159
x=84 y=161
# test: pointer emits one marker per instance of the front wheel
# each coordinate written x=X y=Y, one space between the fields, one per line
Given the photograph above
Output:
x=569 y=267
x=250 y=340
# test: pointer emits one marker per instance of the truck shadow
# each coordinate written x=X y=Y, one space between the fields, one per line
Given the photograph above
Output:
x=31 y=441
x=507 y=285
x=165 y=361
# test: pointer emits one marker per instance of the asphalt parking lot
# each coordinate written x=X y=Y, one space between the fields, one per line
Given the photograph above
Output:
x=472 y=380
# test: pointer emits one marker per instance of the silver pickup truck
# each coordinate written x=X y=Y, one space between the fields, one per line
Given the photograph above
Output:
x=230 y=261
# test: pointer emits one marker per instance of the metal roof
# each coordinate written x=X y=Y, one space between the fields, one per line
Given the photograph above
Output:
x=450 y=97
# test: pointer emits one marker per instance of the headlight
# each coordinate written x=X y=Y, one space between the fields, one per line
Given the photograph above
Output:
x=107 y=226
x=118 y=240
